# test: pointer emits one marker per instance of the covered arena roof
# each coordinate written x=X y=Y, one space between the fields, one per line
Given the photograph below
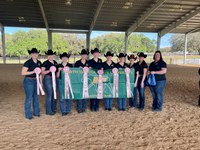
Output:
x=162 y=16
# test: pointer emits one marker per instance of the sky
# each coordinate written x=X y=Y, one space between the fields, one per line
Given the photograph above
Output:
x=164 y=41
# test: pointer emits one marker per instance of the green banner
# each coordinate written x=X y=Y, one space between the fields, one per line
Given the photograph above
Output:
x=76 y=79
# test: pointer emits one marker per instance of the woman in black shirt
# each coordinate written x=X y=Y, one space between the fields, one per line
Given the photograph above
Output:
x=159 y=68
x=132 y=59
x=142 y=68
x=95 y=63
x=30 y=84
x=83 y=62
x=48 y=85
x=108 y=64
x=65 y=104
x=121 y=102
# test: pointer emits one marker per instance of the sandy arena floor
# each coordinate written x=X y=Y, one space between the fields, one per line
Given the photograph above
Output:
x=177 y=127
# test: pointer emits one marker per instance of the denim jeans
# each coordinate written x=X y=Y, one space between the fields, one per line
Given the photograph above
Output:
x=133 y=101
x=157 y=94
x=94 y=104
x=50 y=101
x=82 y=105
x=65 y=104
x=121 y=103
x=141 y=93
x=108 y=102
x=30 y=88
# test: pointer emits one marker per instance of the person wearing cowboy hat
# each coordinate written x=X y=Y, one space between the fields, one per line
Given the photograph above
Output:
x=65 y=104
x=133 y=101
x=121 y=102
x=142 y=68
x=108 y=64
x=30 y=84
x=48 y=86
x=95 y=63
x=83 y=62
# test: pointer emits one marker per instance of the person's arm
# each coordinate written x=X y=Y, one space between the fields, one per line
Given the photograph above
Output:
x=162 y=71
x=25 y=71
x=144 y=77
x=136 y=79
x=44 y=72
x=58 y=73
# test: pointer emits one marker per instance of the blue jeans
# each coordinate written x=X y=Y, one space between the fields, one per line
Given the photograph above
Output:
x=108 y=102
x=157 y=94
x=121 y=103
x=50 y=101
x=82 y=105
x=133 y=101
x=30 y=88
x=141 y=93
x=65 y=104
x=94 y=104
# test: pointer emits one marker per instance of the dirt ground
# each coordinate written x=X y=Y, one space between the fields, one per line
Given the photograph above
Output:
x=176 y=127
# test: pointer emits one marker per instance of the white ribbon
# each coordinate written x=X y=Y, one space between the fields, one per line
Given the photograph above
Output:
x=115 y=82
x=100 y=85
x=68 y=87
x=85 y=82
x=53 y=70
x=128 y=86
x=39 y=86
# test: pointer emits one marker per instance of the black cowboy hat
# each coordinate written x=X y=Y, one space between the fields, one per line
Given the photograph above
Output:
x=84 y=52
x=141 y=54
x=121 y=55
x=109 y=54
x=65 y=55
x=33 y=50
x=132 y=56
x=50 y=52
x=95 y=50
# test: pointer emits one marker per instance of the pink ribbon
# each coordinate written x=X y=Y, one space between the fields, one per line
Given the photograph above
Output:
x=39 y=86
x=128 y=86
x=68 y=87
x=115 y=82
x=53 y=70
x=100 y=85
x=85 y=82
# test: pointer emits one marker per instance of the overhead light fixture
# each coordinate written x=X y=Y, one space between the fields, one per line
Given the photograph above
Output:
x=21 y=19
x=114 y=24
x=67 y=21
x=68 y=2
x=128 y=5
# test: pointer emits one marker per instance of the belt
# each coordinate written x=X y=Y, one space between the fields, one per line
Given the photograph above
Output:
x=33 y=78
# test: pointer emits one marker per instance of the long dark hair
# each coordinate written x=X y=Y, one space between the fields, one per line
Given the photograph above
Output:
x=161 y=58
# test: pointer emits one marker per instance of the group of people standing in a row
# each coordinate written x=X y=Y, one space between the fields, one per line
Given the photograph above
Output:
x=158 y=67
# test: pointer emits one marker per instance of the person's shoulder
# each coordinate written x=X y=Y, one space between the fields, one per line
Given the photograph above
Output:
x=27 y=63
x=55 y=62
x=163 y=63
x=100 y=60
x=145 y=64
x=70 y=65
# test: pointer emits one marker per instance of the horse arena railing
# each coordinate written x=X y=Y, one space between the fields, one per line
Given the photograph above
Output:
x=172 y=59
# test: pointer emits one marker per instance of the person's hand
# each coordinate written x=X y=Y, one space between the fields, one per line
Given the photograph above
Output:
x=142 y=85
x=59 y=69
x=153 y=72
x=135 y=85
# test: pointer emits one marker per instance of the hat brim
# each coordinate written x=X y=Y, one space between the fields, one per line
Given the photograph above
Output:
x=108 y=55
